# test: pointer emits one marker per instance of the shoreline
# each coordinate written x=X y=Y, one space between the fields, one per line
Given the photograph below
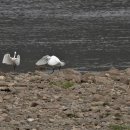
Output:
x=66 y=99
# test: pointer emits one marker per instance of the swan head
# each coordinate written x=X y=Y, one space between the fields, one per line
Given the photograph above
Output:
x=48 y=57
x=14 y=54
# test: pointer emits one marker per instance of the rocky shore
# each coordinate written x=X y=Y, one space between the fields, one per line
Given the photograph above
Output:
x=65 y=100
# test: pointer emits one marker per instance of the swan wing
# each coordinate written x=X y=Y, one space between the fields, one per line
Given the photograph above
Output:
x=17 y=61
x=43 y=60
x=7 y=59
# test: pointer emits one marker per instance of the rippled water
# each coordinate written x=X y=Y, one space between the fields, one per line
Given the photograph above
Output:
x=86 y=35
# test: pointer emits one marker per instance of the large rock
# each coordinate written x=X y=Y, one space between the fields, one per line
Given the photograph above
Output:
x=97 y=97
x=3 y=84
x=114 y=71
x=102 y=80
x=71 y=74
x=127 y=71
x=125 y=79
x=34 y=78
x=87 y=77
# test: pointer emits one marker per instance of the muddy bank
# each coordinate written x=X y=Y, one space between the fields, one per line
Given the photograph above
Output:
x=65 y=100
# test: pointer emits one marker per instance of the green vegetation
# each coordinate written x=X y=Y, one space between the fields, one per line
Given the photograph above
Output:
x=119 y=127
x=65 y=84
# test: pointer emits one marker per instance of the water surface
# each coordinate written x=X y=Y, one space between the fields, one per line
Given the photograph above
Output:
x=86 y=35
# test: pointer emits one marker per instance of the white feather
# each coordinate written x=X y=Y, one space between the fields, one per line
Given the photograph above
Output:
x=7 y=59
x=17 y=60
x=43 y=60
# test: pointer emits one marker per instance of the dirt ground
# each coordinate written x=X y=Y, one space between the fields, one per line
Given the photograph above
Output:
x=65 y=100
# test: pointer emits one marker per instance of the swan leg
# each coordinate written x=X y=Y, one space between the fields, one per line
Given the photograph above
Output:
x=59 y=68
x=52 y=70
x=14 y=66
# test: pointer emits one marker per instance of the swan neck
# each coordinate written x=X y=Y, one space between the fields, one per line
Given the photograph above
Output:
x=14 y=54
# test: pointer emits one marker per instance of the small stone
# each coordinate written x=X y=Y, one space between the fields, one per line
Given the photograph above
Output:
x=2 y=77
x=4 y=115
x=97 y=97
x=51 y=120
x=44 y=97
x=7 y=119
x=115 y=118
x=117 y=114
x=14 y=122
x=107 y=75
x=11 y=84
x=2 y=118
x=99 y=103
x=35 y=78
x=30 y=119
x=75 y=128
x=98 y=127
x=93 y=90
x=7 y=97
x=95 y=109
x=128 y=109
x=3 y=84
x=64 y=108
x=116 y=107
x=34 y=104
x=79 y=115
x=128 y=103
x=1 y=99
x=108 y=109
x=57 y=97
x=18 y=78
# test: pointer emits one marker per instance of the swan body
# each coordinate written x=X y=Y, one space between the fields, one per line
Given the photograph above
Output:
x=15 y=61
x=52 y=61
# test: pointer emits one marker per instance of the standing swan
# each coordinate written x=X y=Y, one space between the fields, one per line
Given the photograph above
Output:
x=15 y=61
x=52 y=61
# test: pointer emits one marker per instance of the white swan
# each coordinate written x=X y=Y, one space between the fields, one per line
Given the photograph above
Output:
x=15 y=61
x=52 y=61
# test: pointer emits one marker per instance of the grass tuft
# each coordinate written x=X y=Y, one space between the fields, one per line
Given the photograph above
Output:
x=65 y=84
x=119 y=127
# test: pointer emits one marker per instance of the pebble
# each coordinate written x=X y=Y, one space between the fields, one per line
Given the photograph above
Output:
x=30 y=119
x=1 y=99
x=2 y=77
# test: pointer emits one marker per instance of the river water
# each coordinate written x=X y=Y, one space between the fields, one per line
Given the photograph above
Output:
x=87 y=35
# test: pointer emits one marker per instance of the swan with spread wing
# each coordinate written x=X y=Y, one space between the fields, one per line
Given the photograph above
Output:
x=15 y=61
x=52 y=61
